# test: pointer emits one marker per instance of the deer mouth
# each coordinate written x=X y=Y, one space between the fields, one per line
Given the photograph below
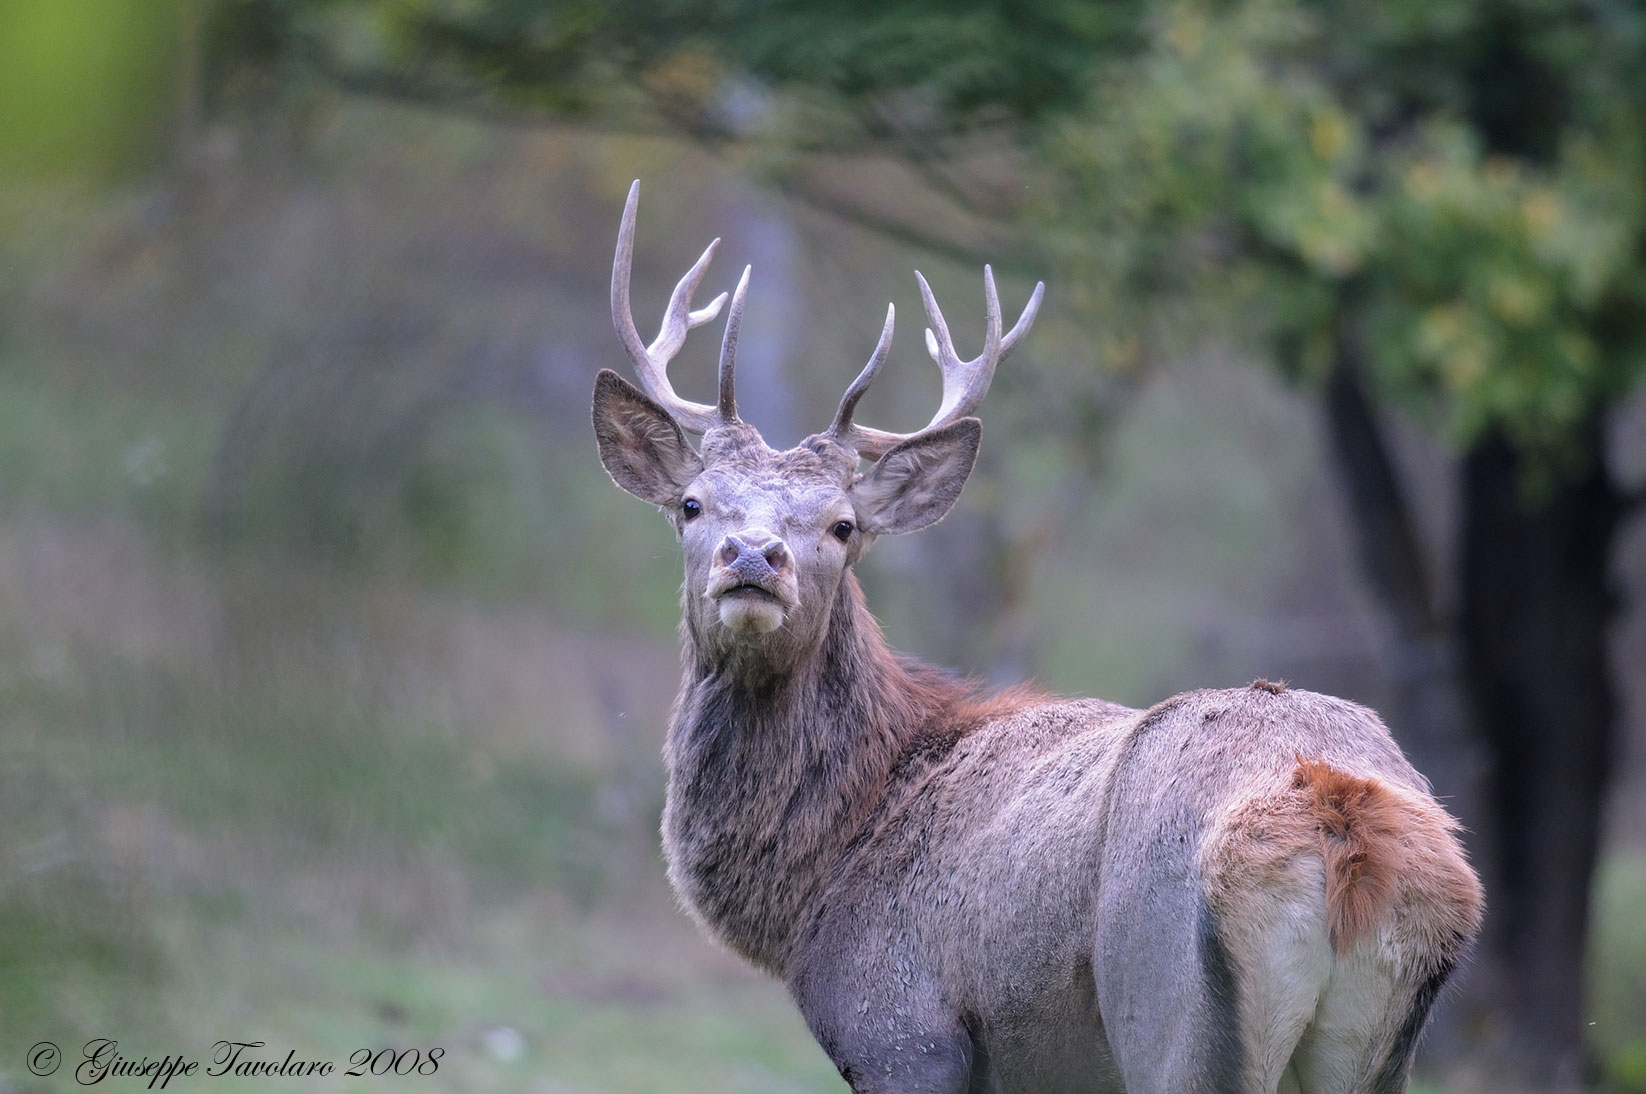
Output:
x=749 y=591
x=747 y=607
x=727 y=584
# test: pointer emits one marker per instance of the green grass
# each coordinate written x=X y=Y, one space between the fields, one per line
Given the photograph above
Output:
x=267 y=847
x=502 y=1019
x=245 y=795
x=91 y=450
x=1617 y=973
x=503 y=1022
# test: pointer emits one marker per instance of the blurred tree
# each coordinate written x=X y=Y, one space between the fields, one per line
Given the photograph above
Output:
x=1437 y=206
x=89 y=87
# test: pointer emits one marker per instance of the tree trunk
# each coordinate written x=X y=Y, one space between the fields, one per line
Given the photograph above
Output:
x=1435 y=723
x=1432 y=716
x=1536 y=608
x=1509 y=709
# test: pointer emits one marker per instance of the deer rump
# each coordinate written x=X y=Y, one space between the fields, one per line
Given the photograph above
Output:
x=1234 y=891
x=1202 y=897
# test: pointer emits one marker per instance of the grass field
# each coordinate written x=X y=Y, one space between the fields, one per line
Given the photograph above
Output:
x=330 y=856
x=281 y=842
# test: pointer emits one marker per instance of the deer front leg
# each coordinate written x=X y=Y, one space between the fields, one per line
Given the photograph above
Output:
x=882 y=1053
x=885 y=1033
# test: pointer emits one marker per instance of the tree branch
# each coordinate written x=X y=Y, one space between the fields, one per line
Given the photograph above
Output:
x=662 y=116
x=465 y=101
x=1385 y=532
x=901 y=231
x=923 y=153
x=667 y=121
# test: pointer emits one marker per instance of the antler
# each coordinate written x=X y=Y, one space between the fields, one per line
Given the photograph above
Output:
x=964 y=382
x=651 y=363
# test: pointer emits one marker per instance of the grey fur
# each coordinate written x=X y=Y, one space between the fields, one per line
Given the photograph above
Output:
x=967 y=893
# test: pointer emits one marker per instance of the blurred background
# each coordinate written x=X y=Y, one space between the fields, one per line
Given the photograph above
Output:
x=334 y=671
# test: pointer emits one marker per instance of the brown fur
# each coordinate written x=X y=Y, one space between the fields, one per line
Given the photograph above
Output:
x=1391 y=858
x=809 y=760
x=1392 y=853
x=1361 y=830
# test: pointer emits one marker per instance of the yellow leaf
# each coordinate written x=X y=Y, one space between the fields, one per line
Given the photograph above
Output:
x=1540 y=211
x=1422 y=181
x=1328 y=134
x=1517 y=301
x=1187 y=33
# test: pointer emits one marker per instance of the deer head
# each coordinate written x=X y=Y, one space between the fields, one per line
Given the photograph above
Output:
x=769 y=535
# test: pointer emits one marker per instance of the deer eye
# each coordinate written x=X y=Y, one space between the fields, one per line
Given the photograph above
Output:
x=843 y=531
x=691 y=508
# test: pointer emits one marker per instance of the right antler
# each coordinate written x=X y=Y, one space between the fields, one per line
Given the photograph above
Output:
x=651 y=363
x=964 y=382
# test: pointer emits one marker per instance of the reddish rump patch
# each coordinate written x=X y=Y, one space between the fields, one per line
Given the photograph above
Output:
x=1361 y=824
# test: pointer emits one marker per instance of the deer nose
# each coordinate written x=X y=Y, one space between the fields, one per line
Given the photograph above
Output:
x=755 y=555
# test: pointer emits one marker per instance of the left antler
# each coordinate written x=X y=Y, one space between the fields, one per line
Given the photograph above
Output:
x=965 y=383
x=651 y=363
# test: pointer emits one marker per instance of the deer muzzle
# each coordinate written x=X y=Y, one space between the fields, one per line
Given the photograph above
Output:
x=753 y=581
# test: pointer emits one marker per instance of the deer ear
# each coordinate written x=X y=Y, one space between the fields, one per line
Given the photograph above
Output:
x=917 y=482
x=641 y=446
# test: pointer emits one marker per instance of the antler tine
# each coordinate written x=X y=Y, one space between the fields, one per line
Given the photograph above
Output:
x=1012 y=338
x=1024 y=322
x=677 y=320
x=728 y=352
x=965 y=383
x=842 y=429
x=651 y=363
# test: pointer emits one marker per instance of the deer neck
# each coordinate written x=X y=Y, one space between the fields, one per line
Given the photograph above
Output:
x=773 y=770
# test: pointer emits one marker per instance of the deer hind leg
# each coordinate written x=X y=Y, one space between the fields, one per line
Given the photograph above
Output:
x=1401 y=906
x=1277 y=941
x=1365 y=1032
x=1344 y=901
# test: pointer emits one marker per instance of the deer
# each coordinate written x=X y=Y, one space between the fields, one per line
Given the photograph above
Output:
x=1234 y=891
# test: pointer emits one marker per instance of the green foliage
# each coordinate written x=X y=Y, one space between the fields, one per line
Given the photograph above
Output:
x=1316 y=164
x=1453 y=186
x=1500 y=279
x=793 y=73
x=87 y=84
x=969 y=59
x=958 y=60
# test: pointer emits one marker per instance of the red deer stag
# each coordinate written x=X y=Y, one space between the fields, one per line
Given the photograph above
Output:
x=1234 y=891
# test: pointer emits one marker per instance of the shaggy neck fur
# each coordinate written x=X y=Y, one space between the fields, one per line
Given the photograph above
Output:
x=777 y=761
